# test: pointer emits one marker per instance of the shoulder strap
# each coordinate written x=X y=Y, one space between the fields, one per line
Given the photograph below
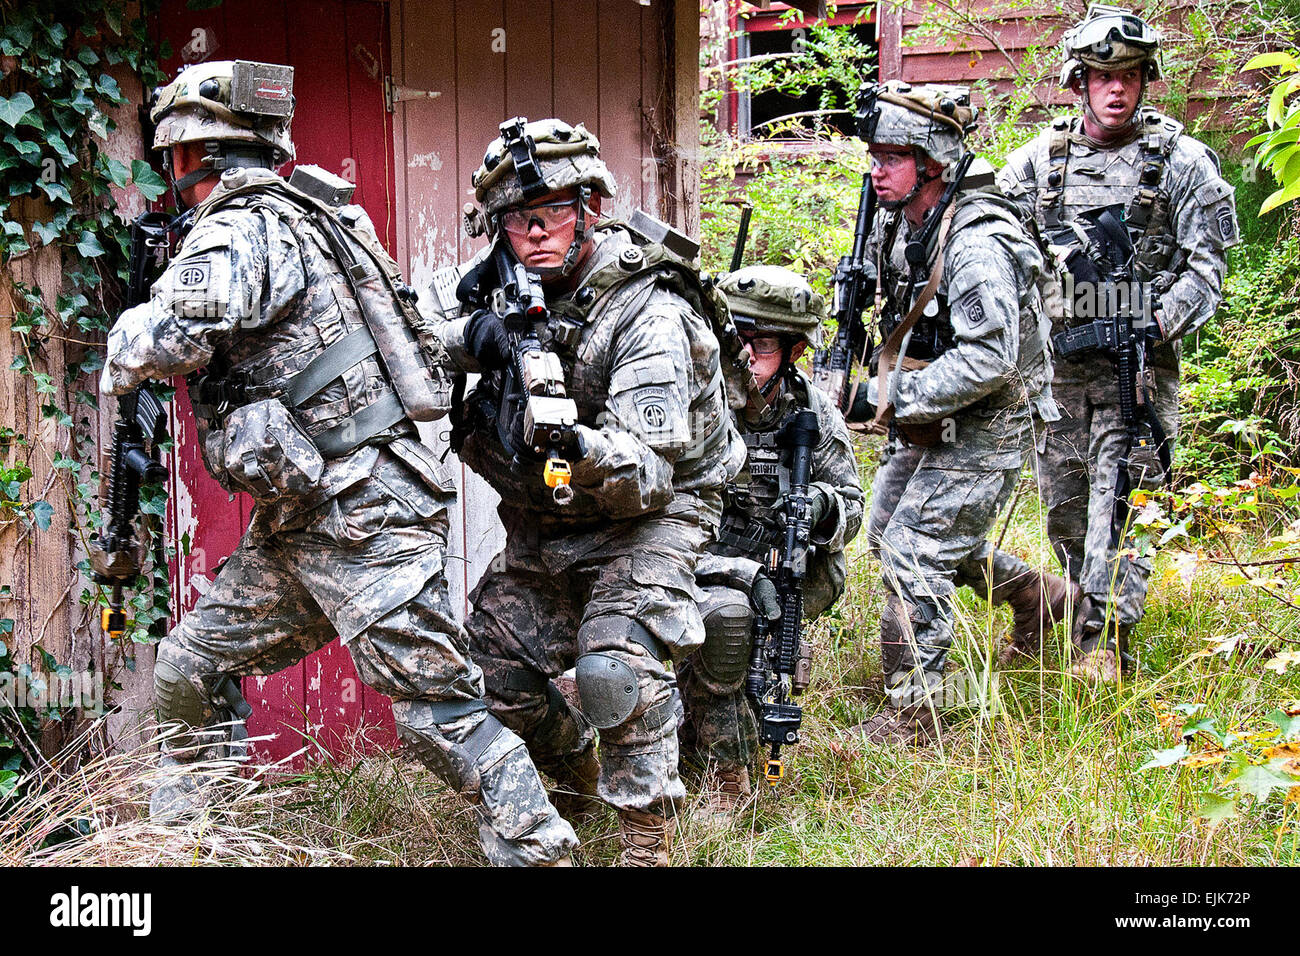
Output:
x=1053 y=185
x=892 y=350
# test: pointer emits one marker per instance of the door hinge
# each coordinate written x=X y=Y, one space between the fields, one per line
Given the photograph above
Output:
x=394 y=94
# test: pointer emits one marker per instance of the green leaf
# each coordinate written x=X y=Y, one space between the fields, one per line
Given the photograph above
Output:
x=1275 y=58
x=1280 y=198
x=47 y=232
x=118 y=173
x=99 y=124
x=1259 y=782
x=59 y=146
x=107 y=86
x=6 y=627
x=150 y=184
x=15 y=107
x=55 y=190
x=1204 y=725
x=42 y=512
x=88 y=245
x=1216 y=808
x=1289 y=726
x=1165 y=758
x=18 y=38
x=8 y=782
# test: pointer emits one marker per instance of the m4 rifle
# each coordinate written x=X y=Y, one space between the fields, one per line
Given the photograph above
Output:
x=779 y=665
x=1125 y=309
x=138 y=436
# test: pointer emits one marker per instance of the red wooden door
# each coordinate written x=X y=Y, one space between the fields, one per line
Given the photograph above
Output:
x=340 y=51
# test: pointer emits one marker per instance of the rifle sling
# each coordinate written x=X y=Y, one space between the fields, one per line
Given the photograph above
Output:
x=890 y=350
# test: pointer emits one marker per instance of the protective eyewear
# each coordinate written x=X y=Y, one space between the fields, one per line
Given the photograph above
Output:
x=890 y=160
x=1101 y=32
x=762 y=344
x=550 y=216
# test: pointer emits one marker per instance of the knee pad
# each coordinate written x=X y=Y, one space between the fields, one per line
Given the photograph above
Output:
x=728 y=637
x=609 y=686
x=189 y=693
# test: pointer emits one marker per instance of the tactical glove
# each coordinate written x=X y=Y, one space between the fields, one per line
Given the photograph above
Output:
x=763 y=597
x=819 y=506
x=487 y=341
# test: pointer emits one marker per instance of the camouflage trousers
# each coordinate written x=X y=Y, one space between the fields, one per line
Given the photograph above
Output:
x=720 y=723
x=623 y=599
x=1077 y=474
x=931 y=512
x=367 y=566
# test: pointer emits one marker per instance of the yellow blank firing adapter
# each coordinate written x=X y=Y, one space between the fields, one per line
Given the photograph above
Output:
x=774 y=772
x=557 y=475
x=113 y=622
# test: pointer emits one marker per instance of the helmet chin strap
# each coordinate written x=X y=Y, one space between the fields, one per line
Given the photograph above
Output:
x=566 y=267
x=217 y=159
x=923 y=179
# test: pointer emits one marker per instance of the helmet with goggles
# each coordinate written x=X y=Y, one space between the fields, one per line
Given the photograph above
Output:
x=526 y=164
x=931 y=120
x=1110 y=38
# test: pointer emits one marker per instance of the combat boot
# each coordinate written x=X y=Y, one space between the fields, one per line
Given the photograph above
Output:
x=917 y=725
x=576 y=779
x=177 y=794
x=647 y=838
x=727 y=790
x=1099 y=660
x=1037 y=604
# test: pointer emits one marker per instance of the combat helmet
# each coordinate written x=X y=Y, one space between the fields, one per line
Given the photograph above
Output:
x=227 y=100
x=529 y=160
x=1110 y=38
x=241 y=109
x=772 y=299
x=932 y=118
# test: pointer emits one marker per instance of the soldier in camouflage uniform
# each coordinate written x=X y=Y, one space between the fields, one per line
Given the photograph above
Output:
x=299 y=408
x=1181 y=217
x=961 y=391
x=778 y=315
x=604 y=582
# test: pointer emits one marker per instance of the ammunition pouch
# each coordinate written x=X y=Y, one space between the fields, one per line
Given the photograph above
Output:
x=265 y=452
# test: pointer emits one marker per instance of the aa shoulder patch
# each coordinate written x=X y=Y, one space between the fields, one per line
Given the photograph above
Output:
x=1227 y=222
x=971 y=305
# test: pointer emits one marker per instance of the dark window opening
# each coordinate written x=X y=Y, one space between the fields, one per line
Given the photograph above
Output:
x=760 y=113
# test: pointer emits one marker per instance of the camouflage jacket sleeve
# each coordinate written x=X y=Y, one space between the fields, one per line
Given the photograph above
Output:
x=733 y=572
x=238 y=267
x=984 y=294
x=1204 y=221
x=1018 y=179
x=835 y=474
x=645 y=426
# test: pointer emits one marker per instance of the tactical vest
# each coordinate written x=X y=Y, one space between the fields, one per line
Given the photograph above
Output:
x=749 y=526
x=933 y=334
x=324 y=359
x=1066 y=190
x=630 y=270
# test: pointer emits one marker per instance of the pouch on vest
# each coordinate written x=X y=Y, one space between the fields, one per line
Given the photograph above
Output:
x=265 y=452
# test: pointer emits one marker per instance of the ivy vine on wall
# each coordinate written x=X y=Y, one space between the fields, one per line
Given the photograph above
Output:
x=56 y=174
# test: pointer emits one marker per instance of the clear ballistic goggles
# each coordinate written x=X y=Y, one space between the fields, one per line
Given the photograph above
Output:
x=1100 y=34
x=761 y=343
x=550 y=216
